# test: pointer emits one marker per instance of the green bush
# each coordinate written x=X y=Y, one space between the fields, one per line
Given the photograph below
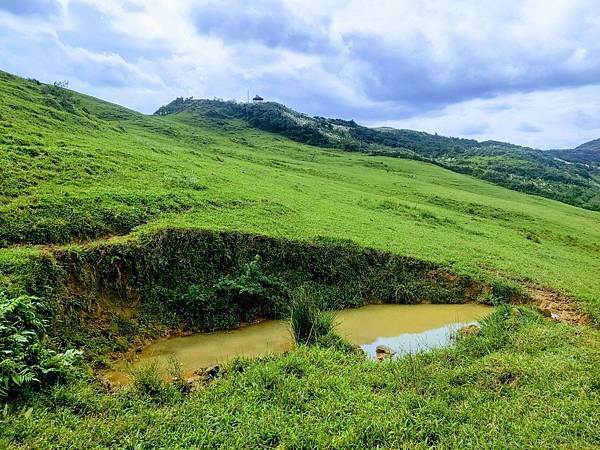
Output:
x=148 y=381
x=249 y=295
x=26 y=359
x=57 y=96
x=309 y=324
x=253 y=292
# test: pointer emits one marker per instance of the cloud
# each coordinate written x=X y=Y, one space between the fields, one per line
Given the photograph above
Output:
x=529 y=128
x=44 y=53
x=483 y=69
x=31 y=7
x=105 y=37
x=442 y=53
x=556 y=114
x=270 y=23
x=415 y=77
x=474 y=129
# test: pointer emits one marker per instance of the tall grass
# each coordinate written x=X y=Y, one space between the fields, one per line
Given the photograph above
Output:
x=312 y=326
x=149 y=382
x=309 y=324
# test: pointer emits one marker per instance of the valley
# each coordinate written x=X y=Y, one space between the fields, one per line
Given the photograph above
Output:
x=118 y=229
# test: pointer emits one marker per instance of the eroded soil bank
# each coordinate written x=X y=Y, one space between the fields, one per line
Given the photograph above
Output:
x=115 y=296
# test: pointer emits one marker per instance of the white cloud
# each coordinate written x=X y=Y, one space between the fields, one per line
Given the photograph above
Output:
x=549 y=119
x=486 y=69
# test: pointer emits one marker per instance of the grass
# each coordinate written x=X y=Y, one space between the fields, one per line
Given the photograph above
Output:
x=309 y=324
x=522 y=382
x=312 y=326
x=109 y=171
x=96 y=171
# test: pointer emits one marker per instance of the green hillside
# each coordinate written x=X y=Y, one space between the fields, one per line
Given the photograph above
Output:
x=587 y=153
x=113 y=219
x=572 y=180
x=104 y=170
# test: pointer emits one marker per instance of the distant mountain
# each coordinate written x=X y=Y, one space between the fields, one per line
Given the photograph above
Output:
x=587 y=153
x=560 y=175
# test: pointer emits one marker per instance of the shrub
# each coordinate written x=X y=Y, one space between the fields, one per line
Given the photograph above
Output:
x=26 y=359
x=59 y=97
x=203 y=310
x=149 y=383
x=177 y=374
x=309 y=324
x=254 y=292
x=249 y=295
x=147 y=380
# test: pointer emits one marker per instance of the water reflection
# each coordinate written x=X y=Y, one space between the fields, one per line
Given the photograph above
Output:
x=416 y=342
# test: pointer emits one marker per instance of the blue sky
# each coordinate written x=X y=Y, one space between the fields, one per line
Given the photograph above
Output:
x=522 y=71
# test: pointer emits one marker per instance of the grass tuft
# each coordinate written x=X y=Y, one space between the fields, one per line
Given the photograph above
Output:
x=309 y=324
x=312 y=326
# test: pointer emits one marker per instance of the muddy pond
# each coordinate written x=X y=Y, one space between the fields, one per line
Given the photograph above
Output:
x=403 y=328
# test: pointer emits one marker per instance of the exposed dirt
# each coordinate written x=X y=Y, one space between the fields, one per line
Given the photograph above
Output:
x=557 y=305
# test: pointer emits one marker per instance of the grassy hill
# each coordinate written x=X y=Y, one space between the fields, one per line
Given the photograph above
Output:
x=587 y=153
x=573 y=181
x=109 y=216
x=101 y=170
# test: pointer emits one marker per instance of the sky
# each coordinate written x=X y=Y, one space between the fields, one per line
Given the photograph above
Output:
x=524 y=71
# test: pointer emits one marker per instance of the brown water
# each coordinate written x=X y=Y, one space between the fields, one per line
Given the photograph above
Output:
x=404 y=328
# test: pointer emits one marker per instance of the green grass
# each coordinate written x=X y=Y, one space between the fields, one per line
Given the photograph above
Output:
x=523 y=382
x=97 y=170
x=109 y=171
x=519 y=168
x=309 y=324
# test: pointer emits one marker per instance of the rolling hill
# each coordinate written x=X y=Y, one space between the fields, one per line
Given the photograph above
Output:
x=118 y=227
x=538 y=172
x=587 y=153
x=75 y=169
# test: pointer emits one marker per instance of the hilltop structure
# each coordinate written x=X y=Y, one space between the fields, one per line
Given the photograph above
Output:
x=257 y=98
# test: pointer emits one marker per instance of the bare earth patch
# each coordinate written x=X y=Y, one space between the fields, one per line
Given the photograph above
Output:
x=557 y=305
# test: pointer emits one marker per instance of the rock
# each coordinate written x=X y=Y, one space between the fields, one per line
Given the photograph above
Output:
x=211 y=371
x=384 y=349
x=358 y=350
x=468 y=330
x=554 y=316
x=208 y=372
x=188 y=385
x=109 y=385
x=193 y=384
x=383 y=352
